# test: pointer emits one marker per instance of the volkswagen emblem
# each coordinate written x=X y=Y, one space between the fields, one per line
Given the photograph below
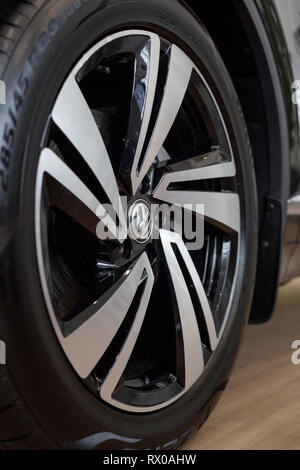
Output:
x=140 y=221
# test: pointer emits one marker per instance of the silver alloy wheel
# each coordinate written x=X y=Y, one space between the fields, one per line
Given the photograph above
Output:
x=87 y=335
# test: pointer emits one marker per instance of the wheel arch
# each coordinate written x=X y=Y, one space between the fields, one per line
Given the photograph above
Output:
x=257 y=59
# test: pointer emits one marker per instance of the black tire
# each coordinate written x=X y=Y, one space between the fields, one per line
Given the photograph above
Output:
x=43 y=404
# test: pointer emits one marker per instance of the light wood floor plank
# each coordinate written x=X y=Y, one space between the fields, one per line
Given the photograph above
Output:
x=261 y=407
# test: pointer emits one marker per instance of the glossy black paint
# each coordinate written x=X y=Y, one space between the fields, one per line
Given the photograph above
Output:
x=276 y=78
x=258 y=55
x=284 y=39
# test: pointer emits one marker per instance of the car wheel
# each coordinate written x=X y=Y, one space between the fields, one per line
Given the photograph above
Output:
x=115 y=344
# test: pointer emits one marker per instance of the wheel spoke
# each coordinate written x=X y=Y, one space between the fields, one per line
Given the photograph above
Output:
x=208 y=166
x=144 y=87
x=179 y=74
x=221 y=209
x=118 y=367
x=86 y=345
x=52 y=165
x=172 y=238
x=74 y=118
x=192 y=346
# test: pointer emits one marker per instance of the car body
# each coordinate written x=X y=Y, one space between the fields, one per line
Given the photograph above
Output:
x=264 y=40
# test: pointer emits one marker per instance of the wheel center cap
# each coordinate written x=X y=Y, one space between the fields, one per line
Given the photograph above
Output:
x=140 y=221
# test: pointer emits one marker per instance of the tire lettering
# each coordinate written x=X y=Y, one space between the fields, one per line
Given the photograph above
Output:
x=4 y=180
x=9 y=136
x=23 y=85
x=5 y=157
x=10 y=129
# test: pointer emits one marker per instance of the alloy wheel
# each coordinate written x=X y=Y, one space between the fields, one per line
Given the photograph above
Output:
x=138 y=319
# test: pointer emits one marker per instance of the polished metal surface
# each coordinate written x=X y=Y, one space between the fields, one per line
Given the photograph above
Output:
x=54 y=166
x=86 y=341
x=142 y=269
x=180 y=70
x=151 y=83
x=219 y=207
x=74 y=118
x=86 y=345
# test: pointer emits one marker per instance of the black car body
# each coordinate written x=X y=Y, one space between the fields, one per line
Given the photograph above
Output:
x=262 y=53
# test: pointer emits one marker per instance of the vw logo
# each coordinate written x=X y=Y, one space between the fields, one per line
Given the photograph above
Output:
x=140 y=221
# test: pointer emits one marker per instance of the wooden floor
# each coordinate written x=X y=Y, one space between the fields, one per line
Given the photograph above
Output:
x=261 y=407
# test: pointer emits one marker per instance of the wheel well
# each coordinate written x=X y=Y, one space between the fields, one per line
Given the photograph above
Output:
x=236 y=37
